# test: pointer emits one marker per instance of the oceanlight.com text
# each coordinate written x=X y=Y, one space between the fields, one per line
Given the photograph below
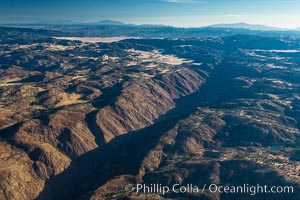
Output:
x=212 y=188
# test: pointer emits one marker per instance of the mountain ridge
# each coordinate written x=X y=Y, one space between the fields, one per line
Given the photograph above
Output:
x=108 y=22
x=248 y=26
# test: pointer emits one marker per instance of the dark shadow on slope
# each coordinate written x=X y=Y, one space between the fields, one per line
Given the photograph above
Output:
x=124 y=154
x=7 y=133
x=93 y=169
x=91 y=119
x=257 y=180
x=108 y=96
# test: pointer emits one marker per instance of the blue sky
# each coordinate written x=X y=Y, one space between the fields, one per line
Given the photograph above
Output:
x=184 y=13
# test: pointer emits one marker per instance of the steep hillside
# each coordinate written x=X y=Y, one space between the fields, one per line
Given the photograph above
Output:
x=81 y=120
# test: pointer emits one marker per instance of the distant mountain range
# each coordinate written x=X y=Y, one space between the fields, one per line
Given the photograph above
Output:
x=118 y=23
x=62 y=22
x=247 y=26
x=67 y=22
x=72 y=23
x=111 y=23
x=109 y=28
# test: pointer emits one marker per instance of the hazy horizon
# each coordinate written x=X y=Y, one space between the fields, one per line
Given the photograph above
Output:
x=179 y=13
x=138 y=24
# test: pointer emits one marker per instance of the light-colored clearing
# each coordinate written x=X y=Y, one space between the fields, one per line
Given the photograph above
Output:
x=144 y=75
x=156 y=57
x=16 y=47
x=83 y=78
x=278 y=58
x=272 y=66
x=96 y=39
x=69 y=99
x=151 y=65
x=278 y=50
x=53 y=47
x=273 y=96
x=85 y=57
x=9 y=84
x=185 y=46
x=131 y=63
x=8 y=81
x=198 y=64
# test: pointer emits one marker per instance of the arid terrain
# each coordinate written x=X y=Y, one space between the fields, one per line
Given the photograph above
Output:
x=81 y=118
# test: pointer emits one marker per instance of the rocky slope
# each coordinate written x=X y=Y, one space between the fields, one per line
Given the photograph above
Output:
x=82 y=120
